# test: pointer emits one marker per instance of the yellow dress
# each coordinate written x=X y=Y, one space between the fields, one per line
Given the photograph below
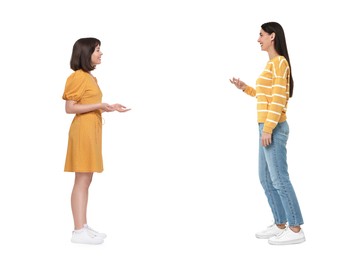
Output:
x=84 y=151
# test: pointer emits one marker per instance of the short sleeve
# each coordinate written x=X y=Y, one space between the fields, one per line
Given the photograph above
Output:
x=75 y=86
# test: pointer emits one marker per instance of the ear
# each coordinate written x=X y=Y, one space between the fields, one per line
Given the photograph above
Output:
x=272 y=36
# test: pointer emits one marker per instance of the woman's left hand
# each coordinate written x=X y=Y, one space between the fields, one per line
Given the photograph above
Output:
x=266 y=139
x=120 y=108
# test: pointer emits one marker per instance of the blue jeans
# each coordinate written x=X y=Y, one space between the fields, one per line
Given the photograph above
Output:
x=274 y=177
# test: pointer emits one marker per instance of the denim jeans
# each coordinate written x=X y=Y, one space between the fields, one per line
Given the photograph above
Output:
x=274 y=177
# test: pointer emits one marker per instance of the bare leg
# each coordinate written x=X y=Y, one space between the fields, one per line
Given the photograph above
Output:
x=281 y=226
x=79 y=198
x=296 y=229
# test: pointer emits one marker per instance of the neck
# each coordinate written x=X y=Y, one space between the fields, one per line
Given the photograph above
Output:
x=272 y=54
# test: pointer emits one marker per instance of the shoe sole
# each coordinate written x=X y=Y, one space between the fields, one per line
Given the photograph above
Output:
x=267 y=236
x=264 y=237
x=85 y=243
x=291 y=242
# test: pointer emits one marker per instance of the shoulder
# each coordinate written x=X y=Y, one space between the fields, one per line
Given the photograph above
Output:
x=78 y=76
x=279 y=65
x=280 y=62
x=76 y=85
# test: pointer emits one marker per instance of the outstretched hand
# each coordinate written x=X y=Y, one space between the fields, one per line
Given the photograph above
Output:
x=238 y=83
x=106 y=107
x=120 y=108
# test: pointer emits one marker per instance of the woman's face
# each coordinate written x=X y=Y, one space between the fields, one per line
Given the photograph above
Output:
x=266 y=40
x=96 y=56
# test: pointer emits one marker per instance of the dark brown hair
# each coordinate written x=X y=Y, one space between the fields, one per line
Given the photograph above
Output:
x=280 y=46
x=82 y=54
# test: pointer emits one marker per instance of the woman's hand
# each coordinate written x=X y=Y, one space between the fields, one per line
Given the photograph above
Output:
x=106 y=107
x=120 y=108
x=238 y=83
x=266 y=139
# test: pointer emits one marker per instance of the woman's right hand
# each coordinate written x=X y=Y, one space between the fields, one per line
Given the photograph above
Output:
x=120 y=108
x=106 y=107
x=238 y=83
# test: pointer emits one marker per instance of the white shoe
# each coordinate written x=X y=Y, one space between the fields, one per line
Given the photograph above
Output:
x=83 y=236
x=270 y=231
x=288 y=237
x=96 y=233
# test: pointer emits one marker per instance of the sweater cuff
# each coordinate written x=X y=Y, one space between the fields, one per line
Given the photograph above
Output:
x=249 y=91
x=267 y=129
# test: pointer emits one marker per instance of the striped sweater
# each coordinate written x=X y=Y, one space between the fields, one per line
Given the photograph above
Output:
x=272 y=93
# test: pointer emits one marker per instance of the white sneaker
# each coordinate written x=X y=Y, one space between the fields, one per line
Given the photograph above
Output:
x=83 y=236
x=270 y=231
x=96 y=233
x=288 y=237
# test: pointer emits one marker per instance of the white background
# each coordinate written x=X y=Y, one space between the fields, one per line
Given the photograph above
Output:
x=180 y=178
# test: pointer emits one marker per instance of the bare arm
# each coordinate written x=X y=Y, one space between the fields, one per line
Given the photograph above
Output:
x=72 y=107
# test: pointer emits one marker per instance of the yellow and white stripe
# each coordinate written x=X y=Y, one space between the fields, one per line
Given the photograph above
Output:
x=272 y=93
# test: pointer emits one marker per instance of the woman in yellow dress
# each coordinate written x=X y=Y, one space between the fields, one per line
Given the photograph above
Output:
x=84 y=152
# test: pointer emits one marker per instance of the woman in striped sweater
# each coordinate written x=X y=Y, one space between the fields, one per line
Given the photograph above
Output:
x=273 y=89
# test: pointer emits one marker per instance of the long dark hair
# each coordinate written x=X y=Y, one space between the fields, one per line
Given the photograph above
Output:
x=280 y=46
x=82 y=54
